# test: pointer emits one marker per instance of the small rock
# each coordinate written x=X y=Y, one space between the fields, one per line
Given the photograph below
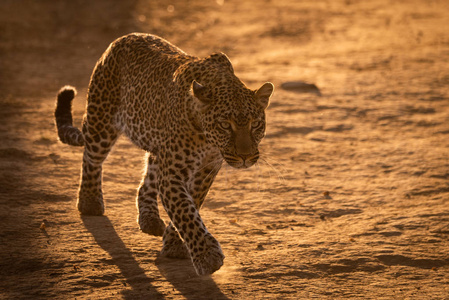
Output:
x=300 y=87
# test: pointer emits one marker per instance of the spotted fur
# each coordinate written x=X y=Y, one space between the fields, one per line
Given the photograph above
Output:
x=189 y=114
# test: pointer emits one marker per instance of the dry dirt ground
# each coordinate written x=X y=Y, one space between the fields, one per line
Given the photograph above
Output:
x=351 y=199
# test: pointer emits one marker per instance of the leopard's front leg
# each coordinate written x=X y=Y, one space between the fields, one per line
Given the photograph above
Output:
x=173 y=245
x=204 y=249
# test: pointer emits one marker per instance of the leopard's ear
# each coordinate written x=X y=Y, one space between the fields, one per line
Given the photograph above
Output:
x=201 y=93
x=222 y=59
x=264 y=93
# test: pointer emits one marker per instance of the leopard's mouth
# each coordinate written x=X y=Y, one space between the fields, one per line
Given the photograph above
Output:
x=241 y=161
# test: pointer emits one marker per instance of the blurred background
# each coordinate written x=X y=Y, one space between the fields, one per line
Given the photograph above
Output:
x=286 y=39
x=350 y=198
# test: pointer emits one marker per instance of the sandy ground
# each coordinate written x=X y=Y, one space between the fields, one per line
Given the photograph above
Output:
x=351 y=197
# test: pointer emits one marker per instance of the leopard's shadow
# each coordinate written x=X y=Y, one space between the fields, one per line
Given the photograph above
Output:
x=181 y=274
x=107 y=238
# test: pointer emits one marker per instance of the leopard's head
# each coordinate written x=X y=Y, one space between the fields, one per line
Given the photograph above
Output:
x=232 y=117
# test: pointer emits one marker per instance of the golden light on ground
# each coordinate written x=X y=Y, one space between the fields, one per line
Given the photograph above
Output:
x=349 y=199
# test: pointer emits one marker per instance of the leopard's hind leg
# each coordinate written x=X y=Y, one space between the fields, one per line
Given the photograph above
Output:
x=100 y=136
x=149 y=219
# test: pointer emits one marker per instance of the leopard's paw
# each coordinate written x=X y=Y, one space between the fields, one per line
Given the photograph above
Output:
x=91 y=206
x=209 y=260
x=151 y=224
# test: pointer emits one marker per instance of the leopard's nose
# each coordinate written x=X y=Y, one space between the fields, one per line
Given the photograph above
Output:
x=243 y=144
x=245 y=156
x=249 y=157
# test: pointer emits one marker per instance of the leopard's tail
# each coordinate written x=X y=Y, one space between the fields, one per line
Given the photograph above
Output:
x=68 y=134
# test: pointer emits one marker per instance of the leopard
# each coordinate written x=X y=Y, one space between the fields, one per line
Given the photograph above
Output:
x=190 y=115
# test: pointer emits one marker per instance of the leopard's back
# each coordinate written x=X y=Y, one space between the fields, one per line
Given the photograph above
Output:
x=130 y=84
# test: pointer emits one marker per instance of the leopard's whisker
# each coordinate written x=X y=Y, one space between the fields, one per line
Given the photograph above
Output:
x=274 y=161
x=212 y=163
x=279 y=174
x=259 y=185
x=214 y=171
x=276 y=164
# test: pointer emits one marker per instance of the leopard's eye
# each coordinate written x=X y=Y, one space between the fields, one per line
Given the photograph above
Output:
x=224 y=125
x=256 y=124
